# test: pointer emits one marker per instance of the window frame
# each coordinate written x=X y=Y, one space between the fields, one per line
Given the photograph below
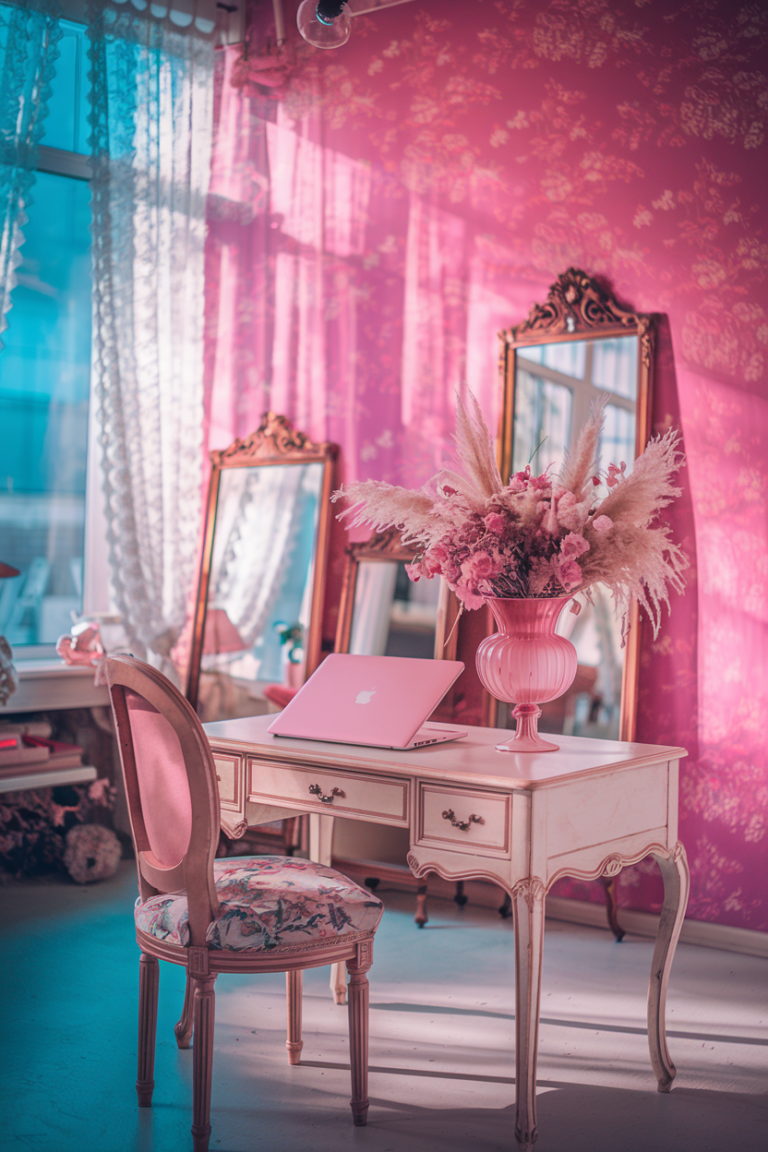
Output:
x=96 y=594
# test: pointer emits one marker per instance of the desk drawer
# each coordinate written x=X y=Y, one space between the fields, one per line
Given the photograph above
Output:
x=383 y=798
x=229 y=773
x=463 y=819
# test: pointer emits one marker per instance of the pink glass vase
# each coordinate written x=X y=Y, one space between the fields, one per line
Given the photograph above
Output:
x=526 y=663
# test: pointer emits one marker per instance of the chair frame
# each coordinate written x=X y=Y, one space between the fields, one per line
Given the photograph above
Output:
x=194 y=875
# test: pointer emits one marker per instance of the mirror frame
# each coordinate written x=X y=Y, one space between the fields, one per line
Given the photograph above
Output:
x=388 y=546
x=274 y=443
x=578 y=308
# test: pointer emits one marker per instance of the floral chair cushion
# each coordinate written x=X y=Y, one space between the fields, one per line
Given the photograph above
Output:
x=268 y=903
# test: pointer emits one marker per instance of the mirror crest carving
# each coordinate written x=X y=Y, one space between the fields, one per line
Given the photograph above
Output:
x=274 y=437
x=578 y=305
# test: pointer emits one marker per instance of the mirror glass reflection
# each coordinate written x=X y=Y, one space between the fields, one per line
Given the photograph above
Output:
x=260 y=591
x=555 y=386
x=392 y=615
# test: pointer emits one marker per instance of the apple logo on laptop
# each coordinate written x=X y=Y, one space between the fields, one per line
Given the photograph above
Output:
x=365 y=697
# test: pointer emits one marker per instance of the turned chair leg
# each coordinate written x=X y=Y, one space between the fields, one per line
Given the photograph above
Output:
x=183 y=1030
x=204 y=1000
x=358 y=1032
x=293 y=990
x=149 y=978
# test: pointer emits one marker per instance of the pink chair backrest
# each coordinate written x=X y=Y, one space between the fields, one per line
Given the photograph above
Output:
x=170 y=784
x=162 y=780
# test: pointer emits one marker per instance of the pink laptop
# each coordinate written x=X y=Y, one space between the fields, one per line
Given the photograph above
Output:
x=382 y=701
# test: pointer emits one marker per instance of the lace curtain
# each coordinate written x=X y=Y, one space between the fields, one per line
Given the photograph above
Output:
x=29 y=37
x=151 y=144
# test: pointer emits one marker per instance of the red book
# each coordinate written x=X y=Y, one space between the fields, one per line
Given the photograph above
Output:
x=60 y=754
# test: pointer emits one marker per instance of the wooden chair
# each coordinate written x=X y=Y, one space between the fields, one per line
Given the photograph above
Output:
x=260 y=914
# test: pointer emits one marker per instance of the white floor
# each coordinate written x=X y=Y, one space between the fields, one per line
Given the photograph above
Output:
x=442 y=1041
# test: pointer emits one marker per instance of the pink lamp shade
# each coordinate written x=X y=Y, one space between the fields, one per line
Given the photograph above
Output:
x=221 y=634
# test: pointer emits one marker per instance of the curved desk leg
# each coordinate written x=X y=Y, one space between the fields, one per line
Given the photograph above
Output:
x=321 y=851
x=528 y=911
x=421 y=917
x=674 y=869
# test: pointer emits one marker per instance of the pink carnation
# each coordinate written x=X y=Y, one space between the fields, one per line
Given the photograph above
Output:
x=519 y=481
x=468 y=598
x=541 y=483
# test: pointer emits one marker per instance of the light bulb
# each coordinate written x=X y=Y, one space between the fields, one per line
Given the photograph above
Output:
x=324 y=23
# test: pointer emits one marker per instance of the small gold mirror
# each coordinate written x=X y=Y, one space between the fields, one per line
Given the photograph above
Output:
x=577 y=347
x=258 y=617
x=382 y=612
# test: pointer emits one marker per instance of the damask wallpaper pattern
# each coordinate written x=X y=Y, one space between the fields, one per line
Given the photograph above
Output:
x=379 y=216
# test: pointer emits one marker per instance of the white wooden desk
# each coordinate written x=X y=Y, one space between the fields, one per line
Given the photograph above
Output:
x=520 y=820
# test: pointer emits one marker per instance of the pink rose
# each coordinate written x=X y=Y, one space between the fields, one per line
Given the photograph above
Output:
x=601 y=524
x=569 y=574
x=495 y=523
x=481 y=566
x=573 y=545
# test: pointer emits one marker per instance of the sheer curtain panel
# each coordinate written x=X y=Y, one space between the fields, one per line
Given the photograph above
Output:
x=152 y=86
x=29 y=37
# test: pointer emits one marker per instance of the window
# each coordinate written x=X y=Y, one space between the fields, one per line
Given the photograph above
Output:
x=45 y=378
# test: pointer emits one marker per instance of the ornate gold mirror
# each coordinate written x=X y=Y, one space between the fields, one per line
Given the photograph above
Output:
x=382 y=612
x=258 y=617
x=577 y=347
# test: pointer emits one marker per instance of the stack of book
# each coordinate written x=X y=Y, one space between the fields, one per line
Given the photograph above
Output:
x=22 y=752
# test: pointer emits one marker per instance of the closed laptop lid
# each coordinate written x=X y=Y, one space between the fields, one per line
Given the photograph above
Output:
x=379 y=700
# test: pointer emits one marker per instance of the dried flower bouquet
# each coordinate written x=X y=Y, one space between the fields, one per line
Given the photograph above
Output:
x=536 y=536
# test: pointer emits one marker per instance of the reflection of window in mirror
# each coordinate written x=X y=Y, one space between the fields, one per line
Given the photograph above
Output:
x=392 y=615
x=555 y=386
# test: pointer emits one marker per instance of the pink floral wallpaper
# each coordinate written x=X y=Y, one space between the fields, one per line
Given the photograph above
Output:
x=376 y=218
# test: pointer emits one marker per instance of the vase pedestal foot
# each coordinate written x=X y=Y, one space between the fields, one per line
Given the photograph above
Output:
x=515 y=745
x=526 y=737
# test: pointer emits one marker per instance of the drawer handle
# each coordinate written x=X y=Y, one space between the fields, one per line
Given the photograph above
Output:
x=316 y=790
x=462 y=825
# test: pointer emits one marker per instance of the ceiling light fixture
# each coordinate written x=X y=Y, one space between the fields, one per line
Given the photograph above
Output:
x=324 y=23
x=328 y=23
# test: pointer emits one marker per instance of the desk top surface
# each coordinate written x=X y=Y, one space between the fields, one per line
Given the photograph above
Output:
x=473 y=760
